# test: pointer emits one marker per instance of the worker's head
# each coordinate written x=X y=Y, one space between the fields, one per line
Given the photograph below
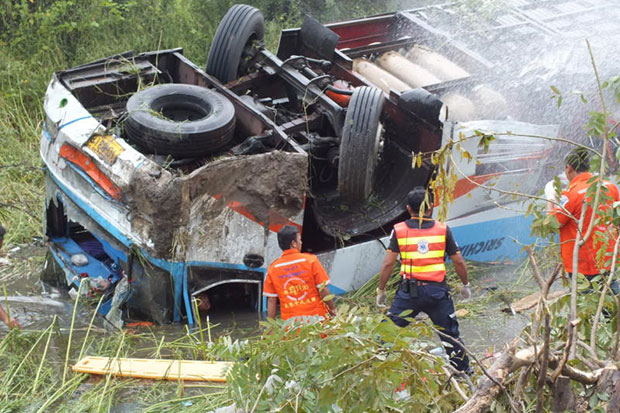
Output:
x=289 y=237
x=418 y=197
x=577 y=161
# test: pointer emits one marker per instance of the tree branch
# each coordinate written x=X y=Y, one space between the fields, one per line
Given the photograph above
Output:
x=542 y=371
x=492 y=383
x=601 y=301
x=571 y=326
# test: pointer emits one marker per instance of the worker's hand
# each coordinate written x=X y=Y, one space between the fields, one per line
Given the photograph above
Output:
x=332 y=311
x=13 y=324
x=550 y=193
x=466 y=292
x=381 y=296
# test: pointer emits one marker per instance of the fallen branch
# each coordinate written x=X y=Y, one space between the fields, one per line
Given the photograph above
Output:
x=528 y=355
x=522 y=381
x=486 y=373
x=542 y=305
x=454 y=383
x=572 y=332
x=470 y=354
x=571 y=322
x=512 y=360
x=492 y=383
x=593 y=364
x=575 y=374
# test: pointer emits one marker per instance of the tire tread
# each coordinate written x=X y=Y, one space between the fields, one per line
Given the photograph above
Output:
x=237 y=26
x=357 y=147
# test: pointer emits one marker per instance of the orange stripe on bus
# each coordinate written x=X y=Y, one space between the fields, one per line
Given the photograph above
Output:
x=465 y=185
x=88 y=166
x=276 y=221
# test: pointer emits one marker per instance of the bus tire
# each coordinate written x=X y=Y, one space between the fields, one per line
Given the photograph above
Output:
x=236 y=40
x=359 y=146
x=183 y=121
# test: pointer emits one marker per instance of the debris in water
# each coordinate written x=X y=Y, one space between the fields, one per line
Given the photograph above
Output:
x=33 y=300
x=461 y=312
x=121 y=294
x=529 y=301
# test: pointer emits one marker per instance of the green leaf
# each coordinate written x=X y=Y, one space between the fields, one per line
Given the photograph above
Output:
x=603 y=396
x=593 y=401
x=554 y=223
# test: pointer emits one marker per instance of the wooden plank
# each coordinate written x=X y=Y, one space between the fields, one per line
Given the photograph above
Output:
x=531 y=300
x=156 y=369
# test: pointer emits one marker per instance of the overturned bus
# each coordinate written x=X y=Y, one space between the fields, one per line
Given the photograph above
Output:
x=177 y=177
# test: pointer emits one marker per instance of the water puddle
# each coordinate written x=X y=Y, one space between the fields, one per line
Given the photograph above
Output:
x=485 y=326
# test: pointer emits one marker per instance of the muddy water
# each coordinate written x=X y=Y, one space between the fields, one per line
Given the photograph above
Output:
x=490 y=324
x=487 y=333
x=485 y=328
x=35 y=305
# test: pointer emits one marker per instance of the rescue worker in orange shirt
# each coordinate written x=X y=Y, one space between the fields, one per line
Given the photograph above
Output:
x=569 y=211
x=423 y=244
x=298 y=280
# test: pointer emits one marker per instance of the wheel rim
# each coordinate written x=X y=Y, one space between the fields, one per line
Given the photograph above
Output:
x=374 y=160
x=249 y=52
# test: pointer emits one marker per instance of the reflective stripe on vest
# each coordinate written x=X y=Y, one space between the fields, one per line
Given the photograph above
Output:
x=422 y=251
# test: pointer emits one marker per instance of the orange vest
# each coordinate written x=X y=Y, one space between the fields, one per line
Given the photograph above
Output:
x=422 y=251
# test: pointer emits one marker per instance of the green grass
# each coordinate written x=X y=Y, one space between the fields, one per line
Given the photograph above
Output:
x=21 y=176
x=36 y=374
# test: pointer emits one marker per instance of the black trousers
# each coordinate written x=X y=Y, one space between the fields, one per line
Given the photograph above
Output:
x=433 y=299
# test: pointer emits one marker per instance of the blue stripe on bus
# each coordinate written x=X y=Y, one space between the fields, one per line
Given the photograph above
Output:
x=74 y=121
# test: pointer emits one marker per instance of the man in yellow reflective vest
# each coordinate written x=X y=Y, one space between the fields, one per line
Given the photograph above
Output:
x=423 y=244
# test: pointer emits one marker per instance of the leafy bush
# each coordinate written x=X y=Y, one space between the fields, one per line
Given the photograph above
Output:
x=353 y=363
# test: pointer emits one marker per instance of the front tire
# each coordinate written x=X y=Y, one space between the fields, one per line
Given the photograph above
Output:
x=359 y=146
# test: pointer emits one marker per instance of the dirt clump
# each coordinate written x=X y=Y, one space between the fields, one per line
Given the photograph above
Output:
x=267 y=188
